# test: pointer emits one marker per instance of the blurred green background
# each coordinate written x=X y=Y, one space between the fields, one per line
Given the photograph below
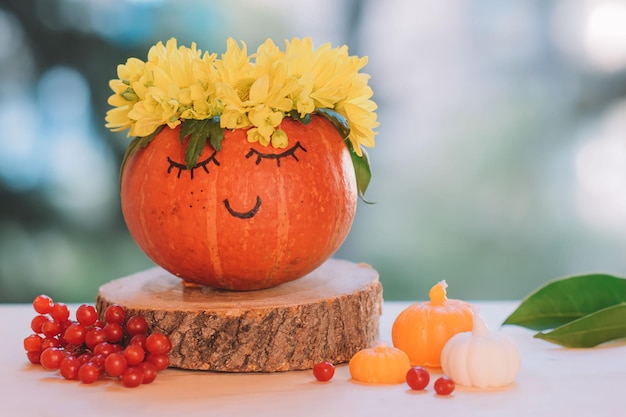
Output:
x=500 y=161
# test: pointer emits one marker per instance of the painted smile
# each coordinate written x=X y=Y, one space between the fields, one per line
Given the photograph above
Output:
x=243 y=214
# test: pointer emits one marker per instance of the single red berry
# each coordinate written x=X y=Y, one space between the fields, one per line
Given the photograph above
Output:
x=115 y=364
x=51 y=328
x=158 y=344
x=88 y=373
x=43 y=304
x=95 y=336
x=323 y=371
x=84 y=357
x=60 y=312
x=444 y=386
x=132 y=377
x=161 y=361
x=136 y=325
x=37 y=322
x=138 y=339
x=51 y=358
x=86 y=314
x=134 y=354
x=75 y=334
x=114 y=332
x=104 y=348
x=32 y=343
x=69 y=367
x=417 y=378
x=34 y=357
x=149 y=372
x=115 y=314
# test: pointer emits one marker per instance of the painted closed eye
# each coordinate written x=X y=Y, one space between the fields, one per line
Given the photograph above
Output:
x=183 y=167
x=276 y=156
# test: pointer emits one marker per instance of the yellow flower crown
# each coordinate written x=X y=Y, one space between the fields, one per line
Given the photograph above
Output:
x=240 y=91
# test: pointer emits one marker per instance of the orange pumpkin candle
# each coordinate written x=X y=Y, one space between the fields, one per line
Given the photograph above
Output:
x=382 y=364
x=423 y=328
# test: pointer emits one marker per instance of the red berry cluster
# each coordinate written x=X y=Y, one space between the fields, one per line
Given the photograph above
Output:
x=418 y=378
x=88 y=348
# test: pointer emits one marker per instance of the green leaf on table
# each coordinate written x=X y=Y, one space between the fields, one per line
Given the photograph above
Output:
x=591 y=330
x=566 y=299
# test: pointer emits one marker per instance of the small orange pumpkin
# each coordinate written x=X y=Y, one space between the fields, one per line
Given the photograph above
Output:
x=248 y=216
x=382 y=364
x=423 y=328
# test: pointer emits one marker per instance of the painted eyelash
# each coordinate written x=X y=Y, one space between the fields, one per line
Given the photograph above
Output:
x=182 y=167
x=289 y=152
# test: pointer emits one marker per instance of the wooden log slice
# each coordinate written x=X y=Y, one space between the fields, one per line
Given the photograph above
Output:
x=329 y=314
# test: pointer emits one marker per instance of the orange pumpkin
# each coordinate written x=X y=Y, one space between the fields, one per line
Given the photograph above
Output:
x=245 y=217
x=423 y=328
x=382 y=364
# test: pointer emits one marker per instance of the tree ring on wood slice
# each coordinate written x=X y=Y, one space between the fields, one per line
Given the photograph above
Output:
x=328 y=315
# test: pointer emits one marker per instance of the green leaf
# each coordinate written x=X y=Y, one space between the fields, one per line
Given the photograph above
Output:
x=199 y=131
x=361 y=163
x=361 y=170
x=295 y=115
x=566 y=299
x=340 y=122
x=591 y=330
x=135 y=144
x=216 y=134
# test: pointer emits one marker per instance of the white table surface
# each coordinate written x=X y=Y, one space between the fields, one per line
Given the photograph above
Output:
x=552 y=381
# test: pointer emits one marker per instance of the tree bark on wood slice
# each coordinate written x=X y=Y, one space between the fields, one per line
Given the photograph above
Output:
x=329 y=314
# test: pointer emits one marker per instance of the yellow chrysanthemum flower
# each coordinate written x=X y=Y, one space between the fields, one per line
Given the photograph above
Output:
x=329 y=78
x=259 y=91
x=174 y=84
x=360 y=112
x=253 y=91
x=124 y=96
x=266 y=121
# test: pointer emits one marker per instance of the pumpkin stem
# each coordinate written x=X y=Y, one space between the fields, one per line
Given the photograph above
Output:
x=480 y=328
x=437 y=293
x=381 y=347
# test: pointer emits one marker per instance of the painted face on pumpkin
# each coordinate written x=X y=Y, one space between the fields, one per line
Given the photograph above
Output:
x=211 y=162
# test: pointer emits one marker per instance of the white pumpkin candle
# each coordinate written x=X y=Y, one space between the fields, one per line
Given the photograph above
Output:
x=481 y=358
